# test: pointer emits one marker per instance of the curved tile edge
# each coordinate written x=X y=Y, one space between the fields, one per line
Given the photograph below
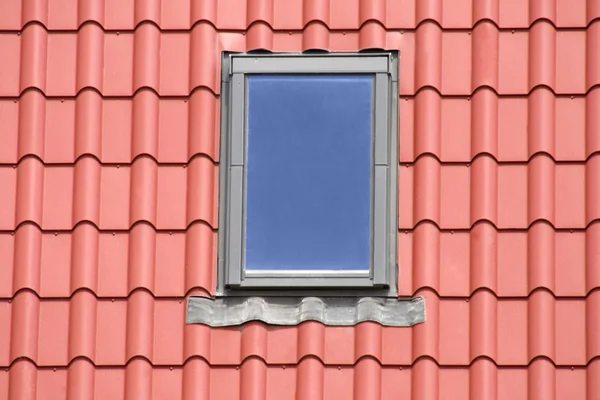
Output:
x=291 y=311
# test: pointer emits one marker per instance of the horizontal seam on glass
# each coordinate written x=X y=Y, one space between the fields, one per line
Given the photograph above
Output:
x=361 y=272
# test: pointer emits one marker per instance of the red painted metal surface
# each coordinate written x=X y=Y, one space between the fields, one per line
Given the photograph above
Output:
x=109 y=123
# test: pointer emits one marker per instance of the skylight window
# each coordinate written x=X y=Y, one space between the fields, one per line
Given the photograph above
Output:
x=308 y=176
x=308 y=172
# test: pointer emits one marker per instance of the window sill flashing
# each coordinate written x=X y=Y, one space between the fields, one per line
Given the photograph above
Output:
x=292 y=311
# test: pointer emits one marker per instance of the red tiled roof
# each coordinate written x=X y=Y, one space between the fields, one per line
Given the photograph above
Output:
x=109 y=123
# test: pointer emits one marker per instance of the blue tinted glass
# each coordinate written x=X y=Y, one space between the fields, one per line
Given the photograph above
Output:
x=308 y=172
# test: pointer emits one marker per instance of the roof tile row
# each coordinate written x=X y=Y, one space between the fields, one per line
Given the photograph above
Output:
x=172 y=264
x=112 y=332
x=172 y=196
x=511 y=196
x=509 y=263
x=114 y=130
x=113 y=197
x=171 y=130
x=510 y=62
x=309 y=380
x=109 y=264
x=295 y=14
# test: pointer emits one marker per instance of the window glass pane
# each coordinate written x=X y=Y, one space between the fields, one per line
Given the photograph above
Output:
x=308 y=172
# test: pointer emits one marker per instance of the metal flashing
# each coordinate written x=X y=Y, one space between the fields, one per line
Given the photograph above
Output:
x=299 y=63
x=291 y=311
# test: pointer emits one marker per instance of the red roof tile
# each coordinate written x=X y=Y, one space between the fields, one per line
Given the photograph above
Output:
x=65 y=62
x=293 y=14
x=109 y=122
x=109 y=332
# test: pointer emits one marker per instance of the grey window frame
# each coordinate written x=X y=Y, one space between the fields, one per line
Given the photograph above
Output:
x=382 y=278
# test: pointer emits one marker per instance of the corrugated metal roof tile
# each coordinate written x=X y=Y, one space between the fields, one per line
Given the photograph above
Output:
x=109 y=263
x=112 y=197
x=306 y=380
x=109 y=122
x=509 y=195
x=113 y=130
x=117 y=130
x=113 y=331
x=64 y=63
x=295 y=14
x=454 y=263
